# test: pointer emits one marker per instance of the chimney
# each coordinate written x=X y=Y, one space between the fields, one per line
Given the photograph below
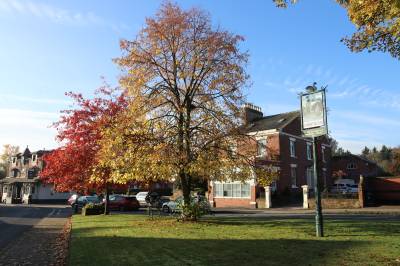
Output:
x=251 y=112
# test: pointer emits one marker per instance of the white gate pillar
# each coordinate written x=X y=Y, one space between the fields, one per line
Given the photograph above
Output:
x=268 y=201
x=305 y=196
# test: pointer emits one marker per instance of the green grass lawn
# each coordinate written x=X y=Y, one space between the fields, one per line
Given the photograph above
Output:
x=137 y=240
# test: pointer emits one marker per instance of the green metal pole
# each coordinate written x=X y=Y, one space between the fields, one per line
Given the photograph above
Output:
x=318 y=208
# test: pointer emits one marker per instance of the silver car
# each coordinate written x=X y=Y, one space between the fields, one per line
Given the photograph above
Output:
x=174 y=206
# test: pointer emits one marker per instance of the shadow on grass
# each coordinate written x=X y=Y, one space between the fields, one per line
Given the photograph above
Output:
x=340 y=227
x=170 y=251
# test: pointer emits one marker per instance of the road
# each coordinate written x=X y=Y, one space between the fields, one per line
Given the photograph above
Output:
x=15 y=220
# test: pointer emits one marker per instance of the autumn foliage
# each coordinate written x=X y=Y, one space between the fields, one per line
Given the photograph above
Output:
x=71 y=166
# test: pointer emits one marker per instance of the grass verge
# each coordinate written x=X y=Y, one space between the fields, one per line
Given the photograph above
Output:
x=137 y=240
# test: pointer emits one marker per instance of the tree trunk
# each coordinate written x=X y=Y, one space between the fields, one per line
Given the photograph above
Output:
x=185 y=189
x=106 y=205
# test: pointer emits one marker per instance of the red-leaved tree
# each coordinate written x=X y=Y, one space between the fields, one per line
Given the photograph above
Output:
x=71 y=166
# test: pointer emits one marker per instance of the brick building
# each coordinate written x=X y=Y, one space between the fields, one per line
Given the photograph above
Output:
x=280 y=144
x=23 y=183
x=351 y=166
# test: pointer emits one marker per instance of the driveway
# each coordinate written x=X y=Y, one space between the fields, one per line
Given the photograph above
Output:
x=29 y=231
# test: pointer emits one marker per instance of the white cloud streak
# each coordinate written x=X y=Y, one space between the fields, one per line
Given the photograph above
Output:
x=57 y=15
x=17 y=98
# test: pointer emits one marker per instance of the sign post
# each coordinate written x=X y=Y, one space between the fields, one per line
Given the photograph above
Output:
x=314 y=124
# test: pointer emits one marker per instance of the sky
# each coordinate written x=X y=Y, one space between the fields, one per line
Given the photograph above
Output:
x=50 y=47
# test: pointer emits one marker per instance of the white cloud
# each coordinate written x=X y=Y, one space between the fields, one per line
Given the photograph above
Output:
x=56 y=15
x=18 y=98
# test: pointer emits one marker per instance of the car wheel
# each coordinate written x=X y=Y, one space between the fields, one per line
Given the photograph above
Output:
x=166 y=209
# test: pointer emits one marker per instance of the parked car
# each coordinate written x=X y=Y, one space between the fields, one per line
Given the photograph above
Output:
x=123 y=203
x=83 y=200
x=352 y=188
x=72 y=199
x=339 y=188
x=175 y=205
x=141 y=197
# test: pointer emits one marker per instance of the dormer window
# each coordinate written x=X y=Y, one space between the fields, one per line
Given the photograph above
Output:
x=351 y=166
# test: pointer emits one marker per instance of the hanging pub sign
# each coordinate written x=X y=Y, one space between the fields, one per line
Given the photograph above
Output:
x=313 y=114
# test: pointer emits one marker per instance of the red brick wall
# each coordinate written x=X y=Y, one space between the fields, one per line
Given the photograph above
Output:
x=232 y=202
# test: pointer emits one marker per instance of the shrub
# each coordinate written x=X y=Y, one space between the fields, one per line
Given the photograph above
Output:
x=93 y=209
x=194 y=210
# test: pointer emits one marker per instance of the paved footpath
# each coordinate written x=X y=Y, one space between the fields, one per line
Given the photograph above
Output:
x=30 y=235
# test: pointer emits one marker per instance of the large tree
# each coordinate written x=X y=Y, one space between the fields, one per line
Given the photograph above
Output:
x=377 y=22
x=185 y=79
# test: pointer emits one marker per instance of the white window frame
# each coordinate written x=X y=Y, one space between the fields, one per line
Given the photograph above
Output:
x=309 y=151
x=292 y=147
x=34 y=157
x=293 y=177
x=232 y=184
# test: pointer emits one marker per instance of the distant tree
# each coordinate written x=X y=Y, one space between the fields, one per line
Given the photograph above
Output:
x=365 y=152
x=8 y=151
x=395 y=166
x=334 y=145
x=385 y=153
x=377 y=22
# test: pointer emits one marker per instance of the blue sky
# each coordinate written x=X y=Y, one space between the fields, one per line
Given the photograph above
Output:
x=50 y=47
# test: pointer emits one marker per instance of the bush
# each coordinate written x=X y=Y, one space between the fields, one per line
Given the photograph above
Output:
x=194 y=210
x=93 y=209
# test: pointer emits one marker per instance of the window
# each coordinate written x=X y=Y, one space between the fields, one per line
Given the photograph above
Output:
x=14 y=160
x=323 y=153
x=292 y=148
x=274 y=186
x=34 y=156
x=309 y=151
x=293 y=176
x=232 y=190
x=236 y=191
x=310 y=177
x=351 y=166
x=245 y=190
x=227 y=190
x=261 y=148
x=219 y=190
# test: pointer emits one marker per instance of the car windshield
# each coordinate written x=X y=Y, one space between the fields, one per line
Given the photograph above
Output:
x=92 y=199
